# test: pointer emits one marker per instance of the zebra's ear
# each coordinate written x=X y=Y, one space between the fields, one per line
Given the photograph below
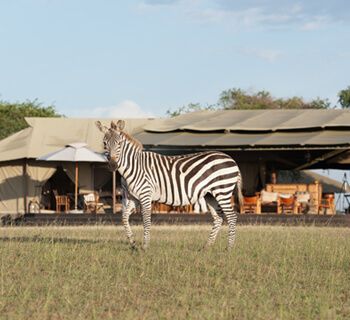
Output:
x=101 y=127
x=113 y=125
x=118 y=126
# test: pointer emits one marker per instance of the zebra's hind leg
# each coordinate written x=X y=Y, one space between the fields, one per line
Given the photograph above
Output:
x=146 y=208
x=217 y=220
x=231 y=216
x=127 y=211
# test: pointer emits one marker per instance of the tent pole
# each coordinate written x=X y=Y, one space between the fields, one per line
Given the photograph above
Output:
x=25 y=177
x=114 y=191
x=76 y=186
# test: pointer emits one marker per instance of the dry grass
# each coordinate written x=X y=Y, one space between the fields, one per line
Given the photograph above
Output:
x=90 y=273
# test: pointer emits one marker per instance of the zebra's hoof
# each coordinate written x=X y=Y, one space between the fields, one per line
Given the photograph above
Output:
x=133 y=246
x=145 y=247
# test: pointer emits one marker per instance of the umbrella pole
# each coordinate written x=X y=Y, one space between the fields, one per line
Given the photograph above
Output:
x=76 y=186
x=114 y=191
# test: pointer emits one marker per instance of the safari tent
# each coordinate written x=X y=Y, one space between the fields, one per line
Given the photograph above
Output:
x=261 y=142
x=23 y=177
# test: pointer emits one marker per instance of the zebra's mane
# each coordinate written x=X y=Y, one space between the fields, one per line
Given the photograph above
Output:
x=136 y=143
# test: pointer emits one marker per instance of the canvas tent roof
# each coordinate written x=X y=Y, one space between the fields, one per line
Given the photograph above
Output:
x=228 y=129
x=252 y=129
x=47 y=135
x=254 y=120
x=180 y=138
x=327 y=130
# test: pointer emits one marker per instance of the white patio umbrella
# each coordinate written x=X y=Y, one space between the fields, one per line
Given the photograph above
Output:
x=74 y=152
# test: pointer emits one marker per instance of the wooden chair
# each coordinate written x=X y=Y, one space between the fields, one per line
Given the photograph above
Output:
x=327 y=204
x=288 y=205
x=155 y=207
x=183 y=209
x=160 y=208
x=270 y=201
x=61 y=202
x=92 y=204
x=251 y=204
x=303 y=200
x=314 y=189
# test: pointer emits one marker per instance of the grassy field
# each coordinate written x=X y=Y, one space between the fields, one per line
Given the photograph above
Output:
x=90 y=273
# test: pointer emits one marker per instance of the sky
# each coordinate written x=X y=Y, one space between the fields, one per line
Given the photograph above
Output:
x=140 y=58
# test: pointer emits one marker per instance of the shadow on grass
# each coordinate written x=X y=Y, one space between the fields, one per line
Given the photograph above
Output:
x=122 y=244
x=56 y=240
x=51 y=240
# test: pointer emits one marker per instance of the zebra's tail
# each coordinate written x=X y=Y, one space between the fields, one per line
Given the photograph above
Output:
x=238 y=192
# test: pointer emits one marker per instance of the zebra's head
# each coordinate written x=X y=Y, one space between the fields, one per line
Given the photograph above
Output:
x=112 y=141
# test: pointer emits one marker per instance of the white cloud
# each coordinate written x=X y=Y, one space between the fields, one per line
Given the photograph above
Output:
x=310 y=15
x=160 y=2
x=156 y=5
x=250 y=17
x=268 y=55
x=315 y=24
x=296 y=8
x=125 y=109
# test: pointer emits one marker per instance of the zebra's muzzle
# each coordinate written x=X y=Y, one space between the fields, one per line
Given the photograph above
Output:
x=112 y=165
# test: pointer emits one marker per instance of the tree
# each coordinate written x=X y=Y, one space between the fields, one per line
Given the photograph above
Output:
x=12 y=115
x=242 y=100
x=319 y=103
x=191 y=107
x=239 y=99
x=344 y=98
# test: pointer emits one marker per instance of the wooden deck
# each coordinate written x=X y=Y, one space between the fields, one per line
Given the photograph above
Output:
x=176 y=218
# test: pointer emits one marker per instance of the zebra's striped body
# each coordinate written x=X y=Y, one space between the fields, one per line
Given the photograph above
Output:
x=174 y=180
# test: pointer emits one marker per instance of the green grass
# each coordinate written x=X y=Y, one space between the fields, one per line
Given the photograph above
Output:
x=90 y=273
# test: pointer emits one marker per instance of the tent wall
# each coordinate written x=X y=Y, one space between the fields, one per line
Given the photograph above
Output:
x=37 y=175
x=12 y=187
x=20 y=182
x=27 y=177
x=253 y=177
x=86 y=182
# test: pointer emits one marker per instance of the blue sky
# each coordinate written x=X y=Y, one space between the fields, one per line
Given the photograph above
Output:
x=140 y=58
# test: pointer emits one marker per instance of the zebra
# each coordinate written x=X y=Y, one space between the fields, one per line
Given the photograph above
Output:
x=210 y=176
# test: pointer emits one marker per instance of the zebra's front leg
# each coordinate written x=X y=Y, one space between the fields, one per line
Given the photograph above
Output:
x=127 y=211
x=146 y=207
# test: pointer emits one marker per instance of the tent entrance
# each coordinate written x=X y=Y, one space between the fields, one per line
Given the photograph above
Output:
x=103 y=183
x=60 y=184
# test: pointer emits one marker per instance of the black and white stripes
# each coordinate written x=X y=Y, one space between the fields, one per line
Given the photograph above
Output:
x=210 y=176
